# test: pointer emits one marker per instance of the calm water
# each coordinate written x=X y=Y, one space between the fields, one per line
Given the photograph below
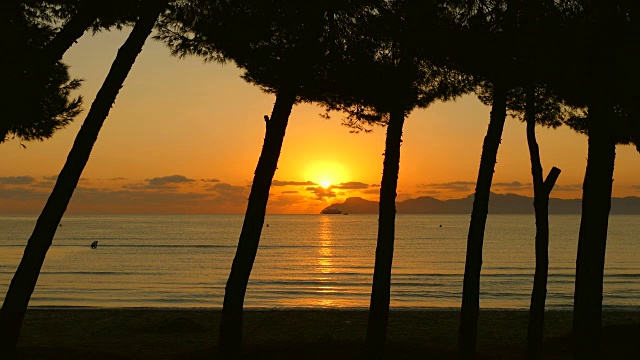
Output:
x=308 y=261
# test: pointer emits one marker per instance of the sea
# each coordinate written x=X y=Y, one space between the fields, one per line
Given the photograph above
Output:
x=309 y=261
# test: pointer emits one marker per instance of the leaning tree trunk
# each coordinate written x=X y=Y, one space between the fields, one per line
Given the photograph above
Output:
x=596 y=203
x=471 y=287
x=24 y=281
x=231 y=321
x=380 y=294
x=541 y=191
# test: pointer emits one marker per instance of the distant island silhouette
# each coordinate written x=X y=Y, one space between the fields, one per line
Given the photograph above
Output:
x=499 y=204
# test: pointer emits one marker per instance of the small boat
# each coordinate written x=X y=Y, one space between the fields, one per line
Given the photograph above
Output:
x=94 y=244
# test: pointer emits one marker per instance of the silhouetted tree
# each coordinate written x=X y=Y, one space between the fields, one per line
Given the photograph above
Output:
x=37 y=103
x=387 y=47
x=473 y=264
x=536 y=105
x=24 y=281
x=541 y=191
x=610 y=95
x=531 y=20
x=277 y=43
x=58 y=108
x=471 y=285
x=27 y=31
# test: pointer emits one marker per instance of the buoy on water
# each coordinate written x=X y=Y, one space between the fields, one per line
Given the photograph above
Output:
x=94 y=244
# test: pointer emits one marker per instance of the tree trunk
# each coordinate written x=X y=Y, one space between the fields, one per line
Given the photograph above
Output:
x=541 y=191
x=380 y=294
x=231 y=321
x=24 y=281
x=596 y=203
x=471 y=287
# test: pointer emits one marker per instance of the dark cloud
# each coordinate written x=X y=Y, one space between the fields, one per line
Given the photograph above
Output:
x=567 y=187
x=164 y=183
x=289 y=192
x=352 y=185
x=51 y=178
x=136 y=186
x=117 y=178
x=22 y=194
x=17 y=180
x=172 y=179
x=229 y=193
x=375 y=185
x=452 y=186
x=428 y=192
x=513 y=184
x=291 y=183
x=97 y=200
x=123 y=197
x=321 y=192
x=43 y=184
x=371 y=191
x=637 y=187
x=210 y=180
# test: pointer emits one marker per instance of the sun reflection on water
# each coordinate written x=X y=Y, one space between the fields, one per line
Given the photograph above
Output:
x=324 y=259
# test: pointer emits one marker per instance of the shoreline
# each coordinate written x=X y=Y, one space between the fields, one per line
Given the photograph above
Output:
x=629 y=309
x=191 y=333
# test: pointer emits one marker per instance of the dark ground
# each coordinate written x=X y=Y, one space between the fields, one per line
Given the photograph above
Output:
x=299 y=334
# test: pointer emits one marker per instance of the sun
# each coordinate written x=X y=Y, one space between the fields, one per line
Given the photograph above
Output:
x=326 y=173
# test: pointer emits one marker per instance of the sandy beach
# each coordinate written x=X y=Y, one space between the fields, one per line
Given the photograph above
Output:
x=79 y=333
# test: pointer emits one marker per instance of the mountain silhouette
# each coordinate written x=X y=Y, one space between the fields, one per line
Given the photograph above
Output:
x=499 y=204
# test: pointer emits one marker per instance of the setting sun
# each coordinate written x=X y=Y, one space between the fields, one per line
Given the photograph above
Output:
x=326 y=173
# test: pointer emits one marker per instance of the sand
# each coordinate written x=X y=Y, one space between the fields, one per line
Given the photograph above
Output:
x=79 y=333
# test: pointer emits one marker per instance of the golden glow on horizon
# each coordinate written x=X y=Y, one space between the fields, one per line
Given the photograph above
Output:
x=326 y=173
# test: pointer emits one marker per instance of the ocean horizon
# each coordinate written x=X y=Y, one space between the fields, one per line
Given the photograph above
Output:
x=308 y=261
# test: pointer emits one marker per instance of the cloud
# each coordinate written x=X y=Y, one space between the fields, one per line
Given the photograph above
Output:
x=291 y=183
x=117 y=178
x=51 y=178
x=17 y=180
x=429 y=192
x=128 y=197
x=164 y=182
x=22 y=194
x=229 y=193
x=43 y=184
x=210 y=180
x=172 y=179
x=289 y=192
x=452 y=186
x=352 y=185
x=567 y=187
x=637 y=187
x=375 y=185
x=321 y=192
x=371 y=191
x=513 y=184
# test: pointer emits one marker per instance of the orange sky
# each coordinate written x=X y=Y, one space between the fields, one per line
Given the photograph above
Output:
x=184 y=137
